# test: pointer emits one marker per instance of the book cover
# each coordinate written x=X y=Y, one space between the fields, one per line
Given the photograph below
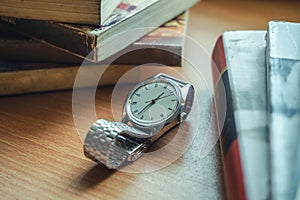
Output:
x=99 y=43
x=240 y=59
x=283 y=64
x=16 y=47
x=93 y=12
x=164 y=45
x=22 y=78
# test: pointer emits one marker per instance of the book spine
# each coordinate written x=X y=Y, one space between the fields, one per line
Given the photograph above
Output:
x=233 y=175
x=283 y=65
x=77 y=12
x=146 y=54
x=28 y=50
x=164 y=45
x=27 y=80
x=60 y=35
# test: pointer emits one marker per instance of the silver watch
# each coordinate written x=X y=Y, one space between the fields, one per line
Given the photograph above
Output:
x=153 y=107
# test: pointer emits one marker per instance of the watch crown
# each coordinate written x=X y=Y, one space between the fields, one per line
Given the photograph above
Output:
x=183 y=116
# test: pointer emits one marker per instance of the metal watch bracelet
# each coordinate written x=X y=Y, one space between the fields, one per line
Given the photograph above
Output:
x=106 y=143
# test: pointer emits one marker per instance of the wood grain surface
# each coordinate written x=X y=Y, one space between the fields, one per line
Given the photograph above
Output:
x=41 y=152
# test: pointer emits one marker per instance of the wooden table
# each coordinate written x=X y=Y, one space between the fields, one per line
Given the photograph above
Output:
x=41 y=153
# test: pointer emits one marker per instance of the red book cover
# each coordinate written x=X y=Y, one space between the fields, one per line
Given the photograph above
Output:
x=241 y=83
x=234 y=183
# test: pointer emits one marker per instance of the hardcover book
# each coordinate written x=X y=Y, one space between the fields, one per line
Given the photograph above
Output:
x=137 y=18
x=15 y=47
x=21 y=78
x=240 y=59
x=170 y=36
x=283 y=64
x=93 y=12
x=164 y=45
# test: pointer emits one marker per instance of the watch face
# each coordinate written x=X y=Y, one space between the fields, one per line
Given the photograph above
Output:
x=153 y=102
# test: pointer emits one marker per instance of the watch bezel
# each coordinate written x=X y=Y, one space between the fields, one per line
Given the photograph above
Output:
x=146 y=124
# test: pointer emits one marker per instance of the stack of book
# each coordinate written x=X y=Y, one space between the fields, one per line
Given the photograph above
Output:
x=43 y=43
x=259 y=72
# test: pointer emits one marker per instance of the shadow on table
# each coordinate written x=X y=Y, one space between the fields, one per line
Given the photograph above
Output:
x=92 y=177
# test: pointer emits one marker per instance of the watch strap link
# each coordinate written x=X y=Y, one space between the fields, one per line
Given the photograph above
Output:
x=177 y=81
x=105 y=144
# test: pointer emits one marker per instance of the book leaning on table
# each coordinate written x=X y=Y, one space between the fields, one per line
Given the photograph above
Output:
x=283 y=65
x=240 y=59
x=260 y=138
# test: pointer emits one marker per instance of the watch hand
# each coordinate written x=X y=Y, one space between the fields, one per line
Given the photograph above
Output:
x=165 y=96
x=153 y=101
x=147 y=106
x=159 y=95
x=156 y=98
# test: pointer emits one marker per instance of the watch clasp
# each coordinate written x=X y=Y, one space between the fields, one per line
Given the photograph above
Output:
x=137 y=152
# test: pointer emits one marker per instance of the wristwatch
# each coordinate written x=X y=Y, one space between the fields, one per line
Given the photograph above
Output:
x=152 y=107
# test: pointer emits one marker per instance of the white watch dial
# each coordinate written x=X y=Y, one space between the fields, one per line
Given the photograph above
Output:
x=154 y=101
